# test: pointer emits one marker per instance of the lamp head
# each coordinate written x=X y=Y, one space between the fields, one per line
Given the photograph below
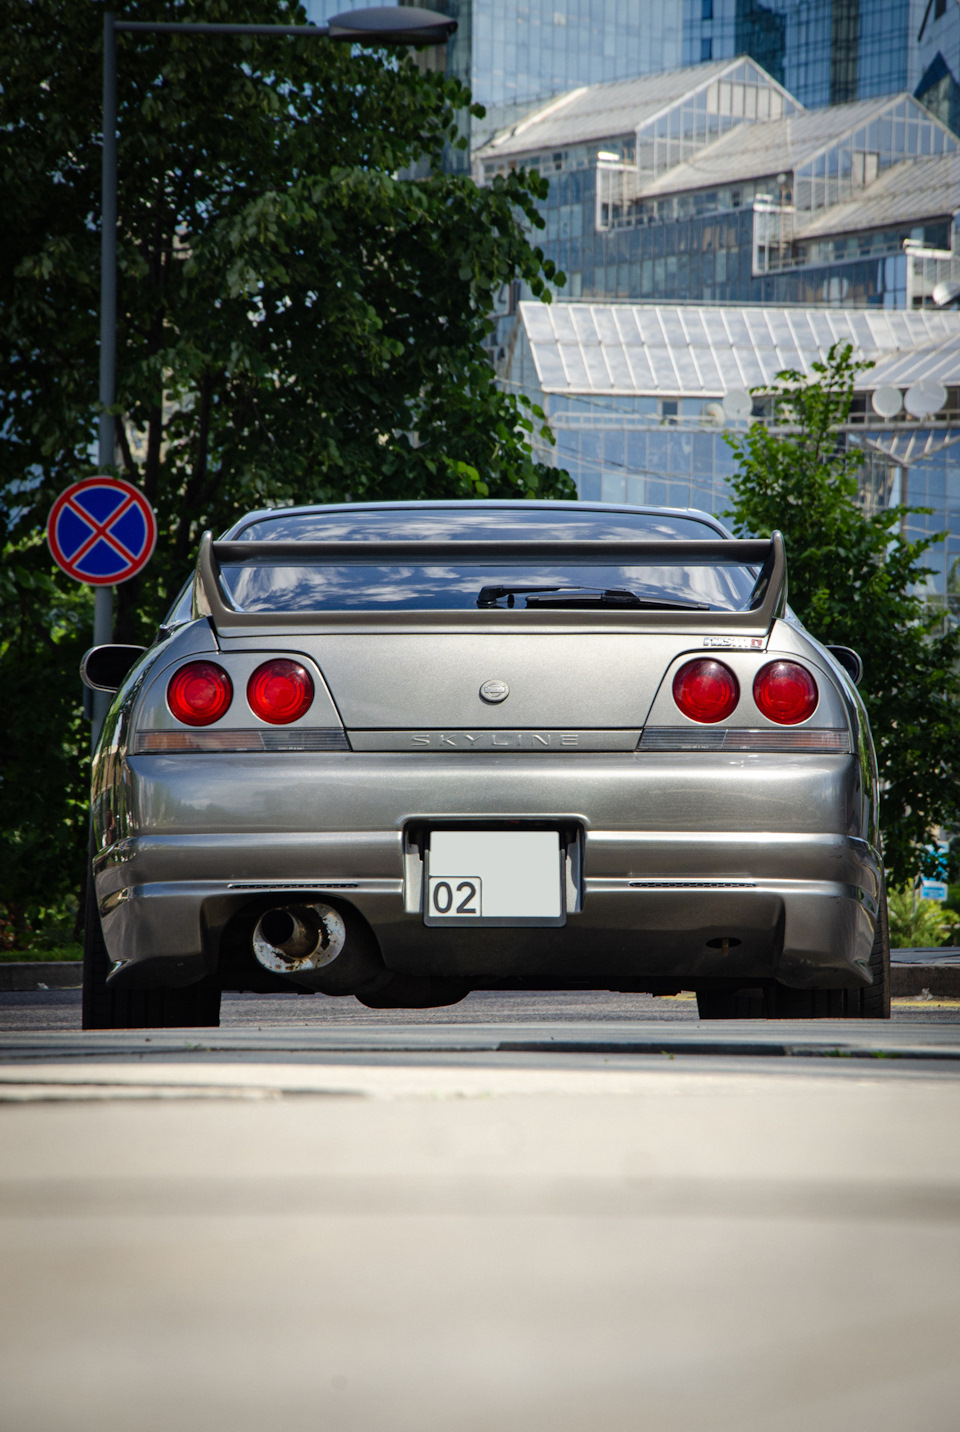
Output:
x=392 y=25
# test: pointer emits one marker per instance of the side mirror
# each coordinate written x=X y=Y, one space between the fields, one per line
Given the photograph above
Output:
x=104 y=667
x=849 y=660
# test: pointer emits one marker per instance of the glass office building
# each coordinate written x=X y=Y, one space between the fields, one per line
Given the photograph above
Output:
x=823 y=51
x=939 y=46
x=714 y=183
x=512 y=52
x=639 y=399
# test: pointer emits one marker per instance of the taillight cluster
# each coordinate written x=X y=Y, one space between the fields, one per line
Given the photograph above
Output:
x=279 y=692
x=199 y=693
x=707 y=691
x=785 y=692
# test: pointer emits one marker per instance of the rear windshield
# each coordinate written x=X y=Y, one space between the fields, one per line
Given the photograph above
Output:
x=263 y=585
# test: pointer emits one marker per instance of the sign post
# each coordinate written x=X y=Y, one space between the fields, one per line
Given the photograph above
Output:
x=101 y=531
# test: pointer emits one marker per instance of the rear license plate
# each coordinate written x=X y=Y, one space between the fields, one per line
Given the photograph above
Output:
x=494 y=877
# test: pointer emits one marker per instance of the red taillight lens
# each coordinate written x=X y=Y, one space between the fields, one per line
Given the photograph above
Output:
x=200 y=693
x=785 y=692
x=706 y=690
x=280 y=692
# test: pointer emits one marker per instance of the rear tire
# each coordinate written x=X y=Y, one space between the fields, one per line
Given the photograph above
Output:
x=731 y=1004
x=777 y=1001
x=875 y=999
x=191 y=1007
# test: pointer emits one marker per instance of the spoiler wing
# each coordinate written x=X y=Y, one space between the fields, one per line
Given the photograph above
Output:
x=767 y=600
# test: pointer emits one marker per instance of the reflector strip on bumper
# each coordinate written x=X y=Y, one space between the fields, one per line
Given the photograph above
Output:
x=298 y=739
x=677 y=738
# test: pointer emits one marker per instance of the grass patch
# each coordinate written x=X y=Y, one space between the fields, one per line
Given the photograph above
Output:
x=48 y=955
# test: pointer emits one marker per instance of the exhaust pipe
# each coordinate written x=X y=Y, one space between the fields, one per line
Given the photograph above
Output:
x=309 y=945
x=291 y=939
x=321 y=948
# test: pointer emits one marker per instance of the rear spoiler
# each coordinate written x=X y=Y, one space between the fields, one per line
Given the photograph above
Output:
x=767 y=599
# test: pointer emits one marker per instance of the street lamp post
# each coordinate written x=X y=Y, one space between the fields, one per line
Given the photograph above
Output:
x=381 y=25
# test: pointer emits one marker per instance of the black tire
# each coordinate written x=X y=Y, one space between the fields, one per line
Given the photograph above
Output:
x=106 y=1008
x=875 y=999
x=777 y=1001
x=786 y=1003
x=731 y=1004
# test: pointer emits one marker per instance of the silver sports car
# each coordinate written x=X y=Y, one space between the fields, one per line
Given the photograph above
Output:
x=407 y=750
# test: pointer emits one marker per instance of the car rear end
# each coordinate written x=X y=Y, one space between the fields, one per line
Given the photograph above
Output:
x=405 y=751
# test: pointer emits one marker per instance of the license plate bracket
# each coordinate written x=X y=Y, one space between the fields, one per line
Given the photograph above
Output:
x=494 y=877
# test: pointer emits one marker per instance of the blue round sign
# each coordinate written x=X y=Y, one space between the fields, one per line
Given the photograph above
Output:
x=101 y=531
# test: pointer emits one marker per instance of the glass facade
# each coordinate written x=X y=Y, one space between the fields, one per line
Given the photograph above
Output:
x=664 y=442
x=693 y=469
x=512 y=51
x=740 y=94
x=938 y=40
x=615 y=454
x=823 y=51
x=616 y=231
x=527 y=49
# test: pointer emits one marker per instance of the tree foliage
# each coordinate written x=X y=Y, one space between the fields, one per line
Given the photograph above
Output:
x=916 y=923
x=856 y=580
x=297 y=321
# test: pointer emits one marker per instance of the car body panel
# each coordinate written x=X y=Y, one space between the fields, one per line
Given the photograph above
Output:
x=682 y=865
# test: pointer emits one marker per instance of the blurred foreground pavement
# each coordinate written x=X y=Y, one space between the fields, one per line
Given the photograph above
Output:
x=449 y=1227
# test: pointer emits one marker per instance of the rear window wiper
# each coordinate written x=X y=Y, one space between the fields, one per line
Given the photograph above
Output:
x=574 y=597
x=616 y=597
x=489 y=596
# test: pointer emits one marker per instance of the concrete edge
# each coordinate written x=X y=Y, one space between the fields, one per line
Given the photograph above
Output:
x=938 y=980
x=40 y=974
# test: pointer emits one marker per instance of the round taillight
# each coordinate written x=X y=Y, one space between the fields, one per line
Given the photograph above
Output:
x=199 y=694
x=785 y=692
x=280 y=692
x=706 y=690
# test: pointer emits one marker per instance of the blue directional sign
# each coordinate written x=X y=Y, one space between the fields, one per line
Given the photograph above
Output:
x=101 y=531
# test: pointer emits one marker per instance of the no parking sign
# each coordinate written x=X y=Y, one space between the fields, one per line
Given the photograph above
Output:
x=101 y=531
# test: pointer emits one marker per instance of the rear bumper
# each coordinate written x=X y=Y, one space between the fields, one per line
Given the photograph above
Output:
x=694 y=867
x=804 y=933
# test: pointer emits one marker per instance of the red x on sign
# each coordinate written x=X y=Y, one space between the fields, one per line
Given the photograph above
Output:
x=101 y=531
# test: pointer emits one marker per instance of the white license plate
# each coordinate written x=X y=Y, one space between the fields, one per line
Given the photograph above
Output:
x=494 y=877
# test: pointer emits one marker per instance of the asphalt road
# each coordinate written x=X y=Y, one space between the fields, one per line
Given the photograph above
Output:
x=60 y=1009
x=524 y=1212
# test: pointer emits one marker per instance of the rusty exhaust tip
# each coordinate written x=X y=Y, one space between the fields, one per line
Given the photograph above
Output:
x=297 y=939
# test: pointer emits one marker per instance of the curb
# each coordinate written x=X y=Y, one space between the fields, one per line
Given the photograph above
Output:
x=37 y=974
x=937 y=980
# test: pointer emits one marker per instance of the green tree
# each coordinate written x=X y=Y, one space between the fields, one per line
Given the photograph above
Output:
x=855 y=580
x=917 y=923
x=44 y=746
x=296 y=321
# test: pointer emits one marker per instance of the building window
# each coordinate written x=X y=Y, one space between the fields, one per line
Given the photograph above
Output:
x=706 y=50
x=706 y=9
